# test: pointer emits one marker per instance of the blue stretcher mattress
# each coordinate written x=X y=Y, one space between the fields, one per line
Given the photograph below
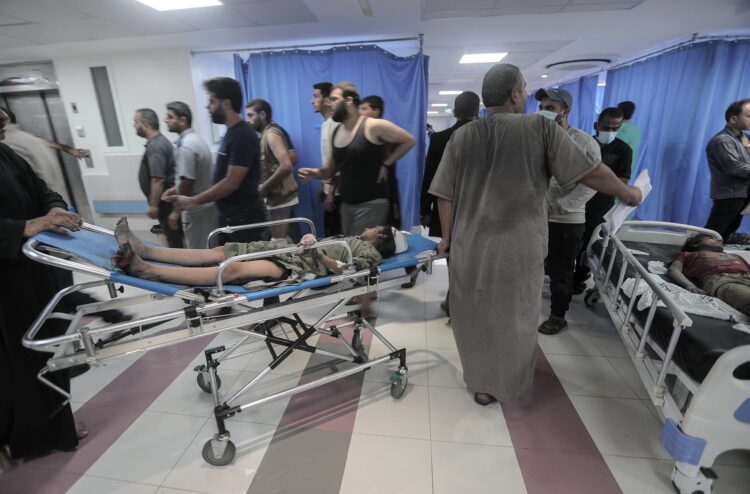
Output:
x=98 y=249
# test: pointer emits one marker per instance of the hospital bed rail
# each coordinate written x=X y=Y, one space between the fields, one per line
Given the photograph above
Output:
x=712 y=416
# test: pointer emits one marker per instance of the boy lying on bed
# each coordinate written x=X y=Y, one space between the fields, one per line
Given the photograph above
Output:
x=703 y=267
x=198 y=266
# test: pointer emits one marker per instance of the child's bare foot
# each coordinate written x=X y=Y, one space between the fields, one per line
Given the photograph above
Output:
x=130 y=263
x=124 y=235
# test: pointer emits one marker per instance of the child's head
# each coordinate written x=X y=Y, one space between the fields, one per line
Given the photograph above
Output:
x=701 y=241
x=381 y=237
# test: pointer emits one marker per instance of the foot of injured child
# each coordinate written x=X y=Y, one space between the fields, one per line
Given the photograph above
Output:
x=199 y=266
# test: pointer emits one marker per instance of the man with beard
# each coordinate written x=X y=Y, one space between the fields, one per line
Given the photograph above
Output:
x=156 y=173
x=491 y=187
x=237 y=170
x=193 y=160
x=359 y=155
x=278 y=186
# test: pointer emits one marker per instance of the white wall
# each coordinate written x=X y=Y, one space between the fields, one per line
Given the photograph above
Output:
x=440 y=123
x=148 y=79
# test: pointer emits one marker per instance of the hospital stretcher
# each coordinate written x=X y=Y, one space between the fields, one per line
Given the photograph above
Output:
x=204 y=312
x=696 y=369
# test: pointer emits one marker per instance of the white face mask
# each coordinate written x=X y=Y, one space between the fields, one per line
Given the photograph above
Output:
x=549 y=115
x=606 y=137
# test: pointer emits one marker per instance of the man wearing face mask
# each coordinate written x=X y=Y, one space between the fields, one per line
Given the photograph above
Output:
x=567 y=212
x=728 y=154
x=618 y=156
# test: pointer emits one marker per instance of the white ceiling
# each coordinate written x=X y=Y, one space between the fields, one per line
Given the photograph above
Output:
x=535 y=33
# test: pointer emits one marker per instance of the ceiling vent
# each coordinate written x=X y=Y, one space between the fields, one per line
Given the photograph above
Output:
x=579 y=64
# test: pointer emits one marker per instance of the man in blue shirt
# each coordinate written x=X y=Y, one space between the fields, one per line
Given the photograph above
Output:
x=729 y=162
x=237 y=171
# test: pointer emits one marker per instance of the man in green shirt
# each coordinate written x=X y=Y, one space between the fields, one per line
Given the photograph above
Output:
x=629 y=132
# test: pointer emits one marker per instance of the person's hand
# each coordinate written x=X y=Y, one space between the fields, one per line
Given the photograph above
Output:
x=174 y=220
x=77 y=153
x=169 y=192
x=262 y=191
x=329 y=203
x=444 y=246
x=153 y=212
x=633 y=196
x=697 y=290
x=306 y=174
x=182 y=202
x=308 y=240
x=56 y=220
x=383 y=174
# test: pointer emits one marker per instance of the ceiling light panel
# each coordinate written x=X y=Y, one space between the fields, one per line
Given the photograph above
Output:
x=482 y=57
x=162 y=5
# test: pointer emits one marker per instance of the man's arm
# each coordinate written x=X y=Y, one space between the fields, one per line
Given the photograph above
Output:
x=730 y=159
x=221 y=189
x=279 y=150
x=445 y=209
x=384 y=131
x=603 y=180
x=157 y=187
x=325 y=172
x=75 y=152
x=676 y=274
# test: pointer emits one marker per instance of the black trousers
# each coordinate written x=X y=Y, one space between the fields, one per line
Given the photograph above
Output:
x=725 y=217
x=332 y=219
x=175 y=238
x=251 y=235
x=563 y=248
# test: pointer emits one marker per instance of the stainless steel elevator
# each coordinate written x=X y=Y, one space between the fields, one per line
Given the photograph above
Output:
x=31 y=92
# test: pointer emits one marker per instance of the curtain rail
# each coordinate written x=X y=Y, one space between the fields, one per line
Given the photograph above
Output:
x=419 y=38
x=693 y=40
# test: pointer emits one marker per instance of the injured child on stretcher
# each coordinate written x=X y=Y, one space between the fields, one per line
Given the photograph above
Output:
x=199 y=266
x=703 y=267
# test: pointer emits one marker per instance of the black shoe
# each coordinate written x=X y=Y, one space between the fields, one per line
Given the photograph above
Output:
x=413 y=273
x=157 y=229
x=484 y=399
x=553 y=325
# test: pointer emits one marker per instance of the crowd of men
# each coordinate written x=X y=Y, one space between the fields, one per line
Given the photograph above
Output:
x=509 y=194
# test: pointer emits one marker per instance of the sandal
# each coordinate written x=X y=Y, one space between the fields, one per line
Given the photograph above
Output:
x=484 y=399
x=81 y=430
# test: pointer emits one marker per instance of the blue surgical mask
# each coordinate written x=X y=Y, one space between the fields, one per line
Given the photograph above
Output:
x=606 y=137
x=549 y=115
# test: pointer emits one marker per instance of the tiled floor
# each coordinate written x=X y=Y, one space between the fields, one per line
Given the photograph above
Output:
x=357 y=438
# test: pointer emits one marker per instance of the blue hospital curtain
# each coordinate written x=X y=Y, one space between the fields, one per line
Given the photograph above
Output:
x=583 y=114
x=680 y=99
x=285 y=79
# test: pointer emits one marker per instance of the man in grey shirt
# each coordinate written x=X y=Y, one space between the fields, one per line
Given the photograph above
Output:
x=567 y=212
x=156 y=173
x=729 y=162
x=194 y=173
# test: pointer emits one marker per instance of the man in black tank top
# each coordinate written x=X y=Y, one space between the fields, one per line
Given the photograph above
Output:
x=358 y=155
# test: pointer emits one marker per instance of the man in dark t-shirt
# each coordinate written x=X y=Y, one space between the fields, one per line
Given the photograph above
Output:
x=237 y=171
x=617 y=155
x=156 y=173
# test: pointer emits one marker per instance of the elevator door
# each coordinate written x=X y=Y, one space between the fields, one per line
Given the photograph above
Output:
x=42 y=114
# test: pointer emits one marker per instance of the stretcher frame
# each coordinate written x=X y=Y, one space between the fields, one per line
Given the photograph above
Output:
x=85 y=344
x=701 y=419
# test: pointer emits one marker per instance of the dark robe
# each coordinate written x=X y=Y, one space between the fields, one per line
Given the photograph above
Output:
x=31 y=418
x=428 y=205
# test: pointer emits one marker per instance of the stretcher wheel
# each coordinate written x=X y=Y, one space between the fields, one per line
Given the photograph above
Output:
x=592 y=297
x=225 y=458
x=399 y=380
x=205 y=383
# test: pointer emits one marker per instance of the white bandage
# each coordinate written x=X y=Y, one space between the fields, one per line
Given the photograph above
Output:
x=401 y=244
